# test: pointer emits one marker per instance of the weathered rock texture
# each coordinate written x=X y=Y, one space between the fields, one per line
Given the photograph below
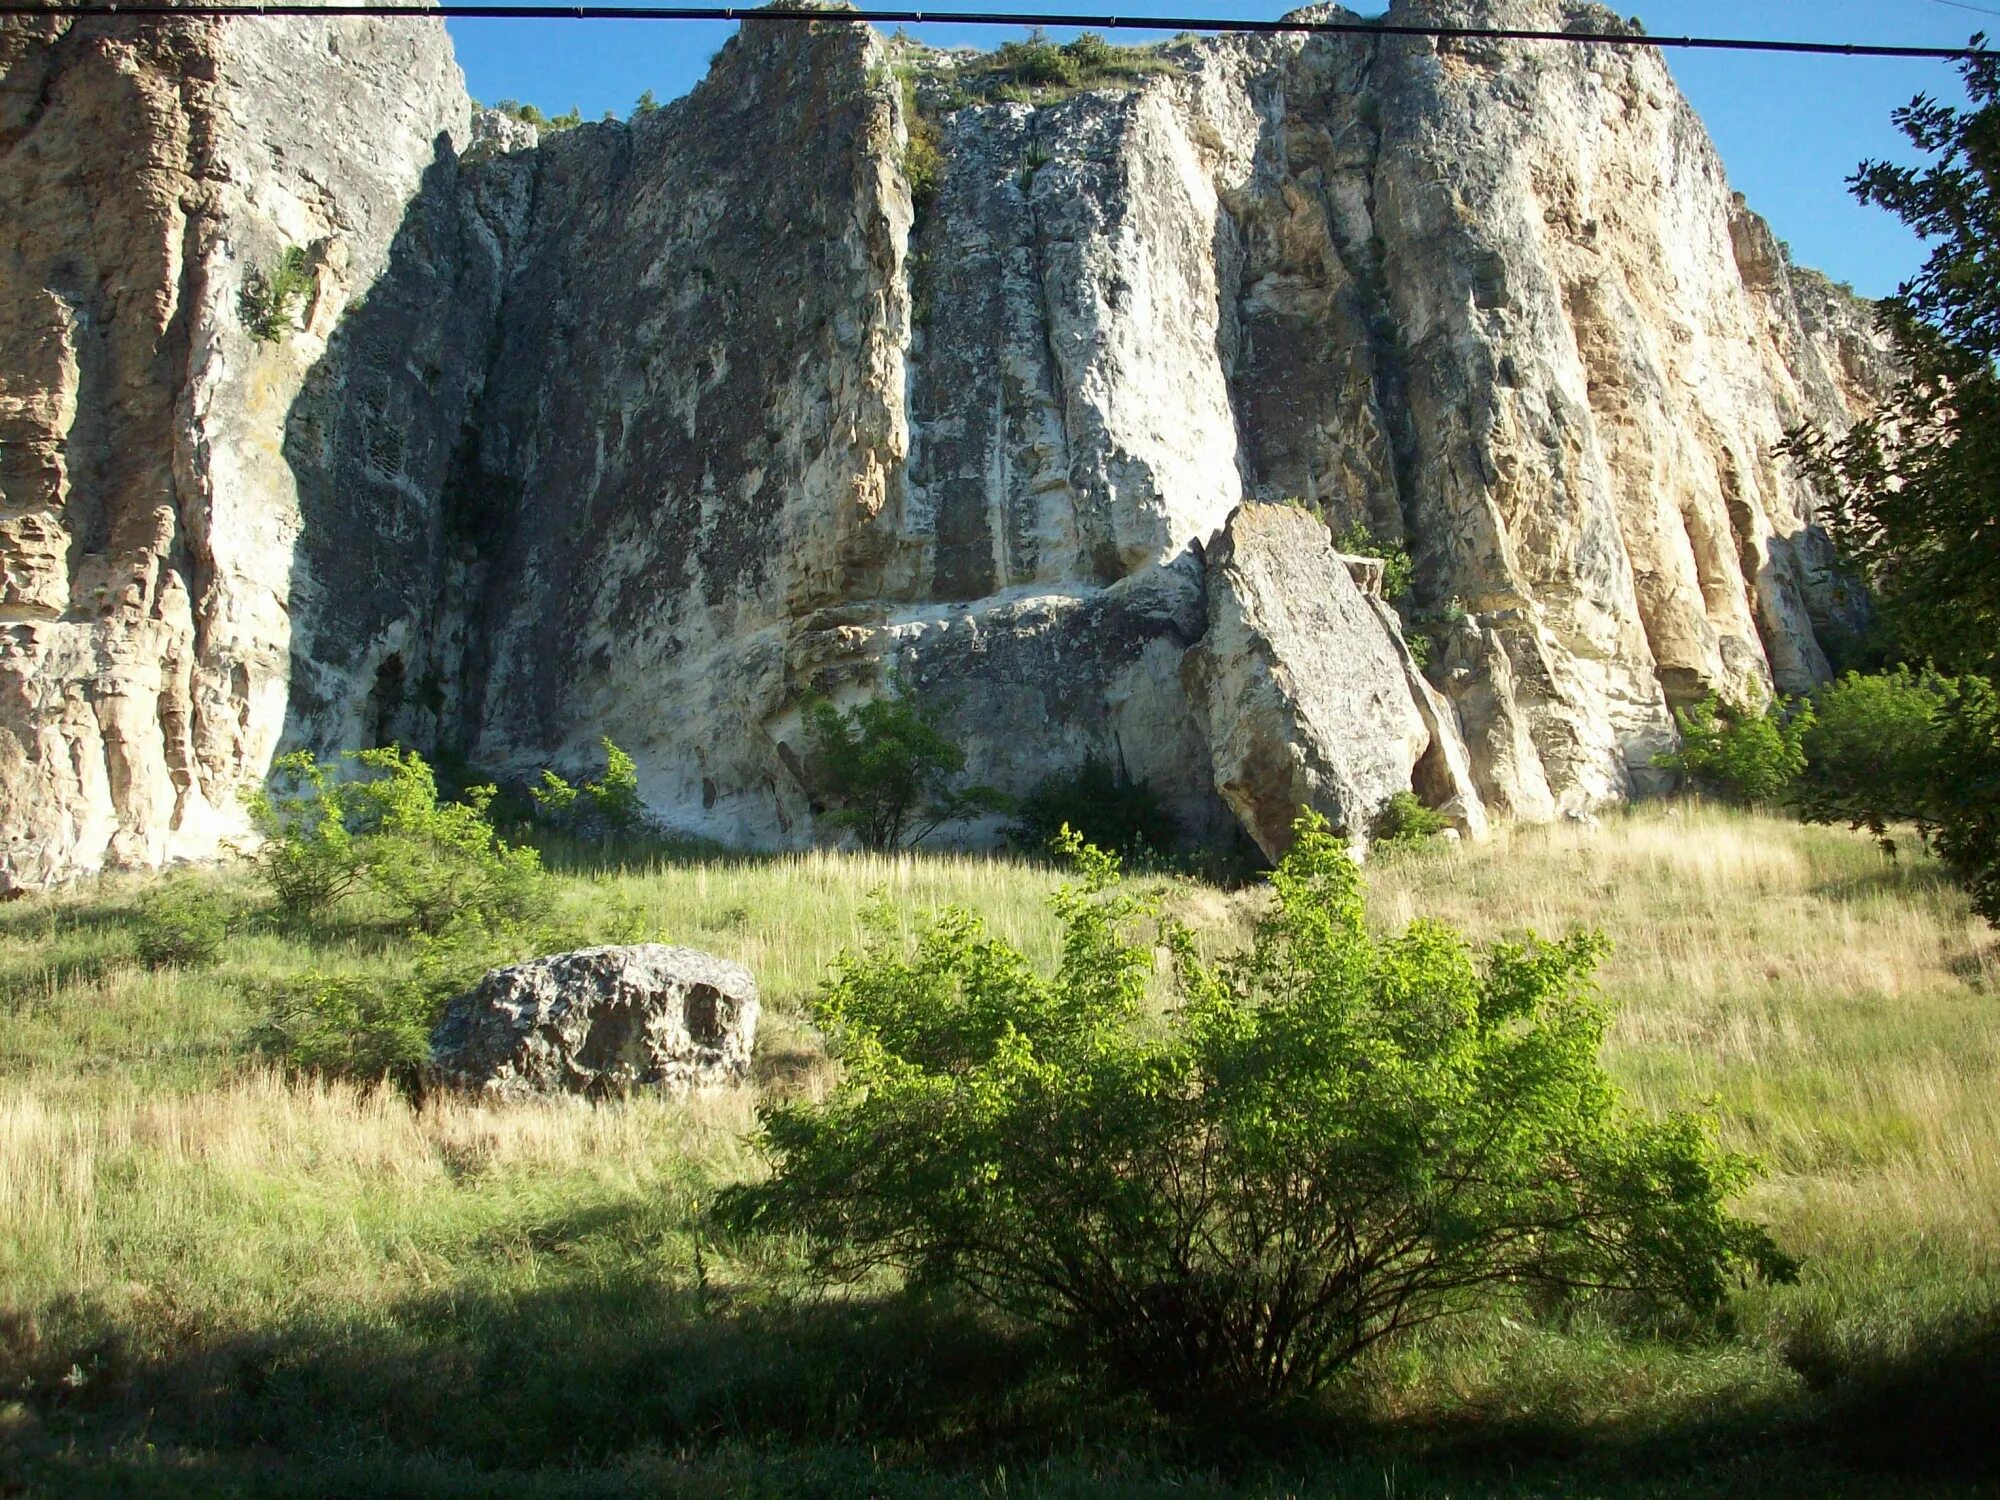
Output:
x=651 y=429
x=1298 y=682
x=600 y=1021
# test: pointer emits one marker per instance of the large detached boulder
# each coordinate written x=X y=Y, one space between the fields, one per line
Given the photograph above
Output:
x=600 y=1021
x=1303 y=686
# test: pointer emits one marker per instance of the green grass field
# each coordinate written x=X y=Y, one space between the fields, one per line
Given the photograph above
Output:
x=215 y=1280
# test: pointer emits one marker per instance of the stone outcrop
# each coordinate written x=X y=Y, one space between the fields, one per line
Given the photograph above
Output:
x=1298 y=682
x=652 y=429
x=600 y=1021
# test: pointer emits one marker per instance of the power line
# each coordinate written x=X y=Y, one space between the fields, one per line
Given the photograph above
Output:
x=453 y=10
x=1979 y=10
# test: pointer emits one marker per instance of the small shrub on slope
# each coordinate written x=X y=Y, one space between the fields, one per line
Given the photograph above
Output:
x=181 y=926
x=1328 y=1140
x=1398 y=572
x=271 y=300
x=436 y=863
x=610 y=808
x=1404 y=822
x=1739 y=753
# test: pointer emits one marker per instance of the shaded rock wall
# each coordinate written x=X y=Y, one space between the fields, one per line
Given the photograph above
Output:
x=651 y=429
x=162 y=564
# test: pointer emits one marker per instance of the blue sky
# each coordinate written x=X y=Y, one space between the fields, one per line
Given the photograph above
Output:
x=1790 y=129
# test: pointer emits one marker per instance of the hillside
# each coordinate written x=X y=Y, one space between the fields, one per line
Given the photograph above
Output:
x=219 y=1281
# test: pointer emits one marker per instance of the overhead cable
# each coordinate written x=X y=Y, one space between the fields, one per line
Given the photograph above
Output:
x=1291 y=25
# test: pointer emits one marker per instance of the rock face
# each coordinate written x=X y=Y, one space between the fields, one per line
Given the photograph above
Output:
x=600 y=1021
x=650 y=430
x=1299 y=684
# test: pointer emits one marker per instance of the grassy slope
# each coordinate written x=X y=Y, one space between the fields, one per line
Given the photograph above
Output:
x=213 y=1281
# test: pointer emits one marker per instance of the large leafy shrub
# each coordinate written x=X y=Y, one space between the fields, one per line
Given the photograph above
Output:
x=1872 y=751
x=366 y=1027
x=1103 y=805
x=438 y=862
x=888 y=771
x=1744 y=754
x=1328 y=1140
x=308 y=853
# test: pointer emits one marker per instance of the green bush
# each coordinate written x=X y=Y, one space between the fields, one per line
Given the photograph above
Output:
x=1039 y=62
x=438 y=863
x=888 y=771
x=1326 y=1141
x=1398 y=572
x=1739 y=753
x=271 y=300
x=1035 y=69
x=365 y=1027
x=182 y=925
x=610 y=808
x=1404 y=822
x=1102 y=805
x=308 y=855
x=375 y=1027
x=1966 y=804
x=1872 y=751
x=435 y=863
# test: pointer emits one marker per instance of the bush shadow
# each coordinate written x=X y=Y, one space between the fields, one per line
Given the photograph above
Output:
x=602 y=1369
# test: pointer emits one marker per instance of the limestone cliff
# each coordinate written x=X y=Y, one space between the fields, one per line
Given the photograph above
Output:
x=651 y=429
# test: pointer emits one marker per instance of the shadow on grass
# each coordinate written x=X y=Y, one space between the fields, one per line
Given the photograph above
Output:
x=1905 y=876
x=28 y=983
x=610 y=1372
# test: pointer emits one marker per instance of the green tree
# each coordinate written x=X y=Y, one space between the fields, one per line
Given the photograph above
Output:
x=302 y=816
x=1872 y=751
x=1329 y=1140
x=1747 y=755
x=1966 y=801
x=1915 y=488
x=438 y=863
x=889 y=772
x=326 y=835
x=1914 y=491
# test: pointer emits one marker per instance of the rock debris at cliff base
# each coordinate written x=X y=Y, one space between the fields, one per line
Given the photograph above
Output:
x=649 y=430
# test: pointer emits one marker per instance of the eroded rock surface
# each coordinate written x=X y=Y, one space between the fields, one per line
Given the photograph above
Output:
x=1299 y=684
x=652 y=429
x=600 y=1021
